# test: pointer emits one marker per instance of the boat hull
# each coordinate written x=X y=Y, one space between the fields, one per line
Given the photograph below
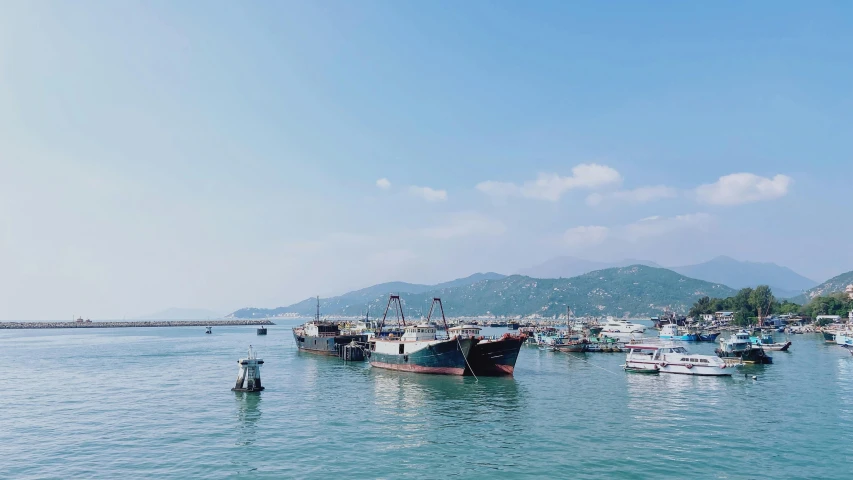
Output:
x=690 y=337
x=447 y=357
x=324 y=345
x=572 y=348
x=495 y=358
x=708 y=337
x=752 y=355
x=678 y=369
x=776 y=347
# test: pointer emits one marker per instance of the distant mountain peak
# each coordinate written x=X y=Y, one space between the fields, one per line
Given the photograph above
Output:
x=739 y=274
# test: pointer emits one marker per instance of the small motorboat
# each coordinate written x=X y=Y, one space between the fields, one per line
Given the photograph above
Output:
x=650 y=371
x=262 y=331
x=765 y=341
x=669 y=358
x=208 y=329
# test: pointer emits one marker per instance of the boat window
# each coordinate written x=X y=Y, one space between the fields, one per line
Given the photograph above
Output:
x=704 y=361
x=684 y=360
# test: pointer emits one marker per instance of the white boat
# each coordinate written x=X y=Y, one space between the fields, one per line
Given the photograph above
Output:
x=844 y=338
x=673 y=359
x=621 y=326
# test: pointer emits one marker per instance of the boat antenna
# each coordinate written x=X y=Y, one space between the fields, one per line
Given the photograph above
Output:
x=441 y=308
x=317 y=317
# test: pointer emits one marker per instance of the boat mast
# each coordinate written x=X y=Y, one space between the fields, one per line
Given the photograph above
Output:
x=398 y=309
x=317 y=317
x=440 y=307
x=568 y=320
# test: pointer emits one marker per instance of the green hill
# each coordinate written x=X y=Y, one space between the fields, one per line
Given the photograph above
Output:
x=834 y=284
x=636 y=291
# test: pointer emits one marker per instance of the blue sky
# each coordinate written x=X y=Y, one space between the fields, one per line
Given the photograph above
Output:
x=226 y=154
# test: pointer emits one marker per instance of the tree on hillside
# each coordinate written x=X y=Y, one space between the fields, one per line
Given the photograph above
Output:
x=702 y=306
x=834 y=304
x=788 y=308
x=761 y=300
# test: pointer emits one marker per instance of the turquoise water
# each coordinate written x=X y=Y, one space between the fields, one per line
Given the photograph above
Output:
x=156 y=402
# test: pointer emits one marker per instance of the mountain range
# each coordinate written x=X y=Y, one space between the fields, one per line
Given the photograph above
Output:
x=636 y=290
x=837 y=283
x=783 y=281
x=738 y=274
x=567 y=267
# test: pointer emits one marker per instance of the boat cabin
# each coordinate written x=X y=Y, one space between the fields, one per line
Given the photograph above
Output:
x=418 y=333
x=322 y=329
x=656 y=352
x=465 y=330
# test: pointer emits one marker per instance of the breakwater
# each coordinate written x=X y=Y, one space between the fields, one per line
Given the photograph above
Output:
x=145 y=323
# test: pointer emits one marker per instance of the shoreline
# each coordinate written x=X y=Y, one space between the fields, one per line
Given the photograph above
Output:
x=146 y=323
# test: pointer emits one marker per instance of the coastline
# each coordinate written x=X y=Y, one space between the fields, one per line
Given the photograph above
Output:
x=130 y=324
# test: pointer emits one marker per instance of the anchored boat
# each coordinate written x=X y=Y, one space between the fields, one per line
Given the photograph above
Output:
x=765 y=341
x=673 y=359
x=620 y=326
x=490 y=357
x=419 y=349
x=672 y=331
x=738 y=346
x=323 y=337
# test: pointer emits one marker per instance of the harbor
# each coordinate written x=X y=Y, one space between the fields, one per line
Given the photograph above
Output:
x=579 y=401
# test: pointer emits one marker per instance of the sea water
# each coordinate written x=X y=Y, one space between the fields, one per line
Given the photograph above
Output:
x=156 y=403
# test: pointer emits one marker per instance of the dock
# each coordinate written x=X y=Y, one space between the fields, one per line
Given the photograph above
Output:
x=140 y=323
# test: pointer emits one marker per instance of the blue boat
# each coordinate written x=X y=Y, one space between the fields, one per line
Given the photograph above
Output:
x=709 y=337
x=671 y=331
x=765 y=341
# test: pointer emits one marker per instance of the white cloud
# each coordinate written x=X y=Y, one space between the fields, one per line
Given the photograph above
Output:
x=383 y=183
x=637 y=195
x=429 y=194
x=465 y=224
x=739 y=188
x=586 y=236
x=551 y=186
x=657 y=226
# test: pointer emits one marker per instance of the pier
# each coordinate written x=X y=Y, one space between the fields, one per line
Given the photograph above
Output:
x=140 y=323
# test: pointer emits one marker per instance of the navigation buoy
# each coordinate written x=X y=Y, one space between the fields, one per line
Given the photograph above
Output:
x=249 y=377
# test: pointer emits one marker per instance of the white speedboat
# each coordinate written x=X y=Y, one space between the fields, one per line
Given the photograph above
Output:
x=673 y=359
x=620 y=326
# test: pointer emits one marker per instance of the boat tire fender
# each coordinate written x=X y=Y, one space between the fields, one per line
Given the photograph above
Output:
x=662 y=364
x=689 y=365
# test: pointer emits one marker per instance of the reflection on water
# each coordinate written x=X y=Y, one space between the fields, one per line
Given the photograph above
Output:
x=248 y=414
x=423 y=409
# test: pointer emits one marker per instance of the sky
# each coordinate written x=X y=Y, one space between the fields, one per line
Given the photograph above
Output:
x=218 y=155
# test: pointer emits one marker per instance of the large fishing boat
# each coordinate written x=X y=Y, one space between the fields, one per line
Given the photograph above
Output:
x=323 y=337
x=490 y=357
x=738 y=346
x=673 y=359
x=419 y=349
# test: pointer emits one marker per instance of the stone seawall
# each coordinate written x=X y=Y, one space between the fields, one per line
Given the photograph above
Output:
x=149 y=323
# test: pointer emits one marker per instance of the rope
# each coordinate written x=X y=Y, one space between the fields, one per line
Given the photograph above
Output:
x=466 y=359
x=594 y=365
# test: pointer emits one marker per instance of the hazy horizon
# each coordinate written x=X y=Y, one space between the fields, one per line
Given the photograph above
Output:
x=219 y=155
